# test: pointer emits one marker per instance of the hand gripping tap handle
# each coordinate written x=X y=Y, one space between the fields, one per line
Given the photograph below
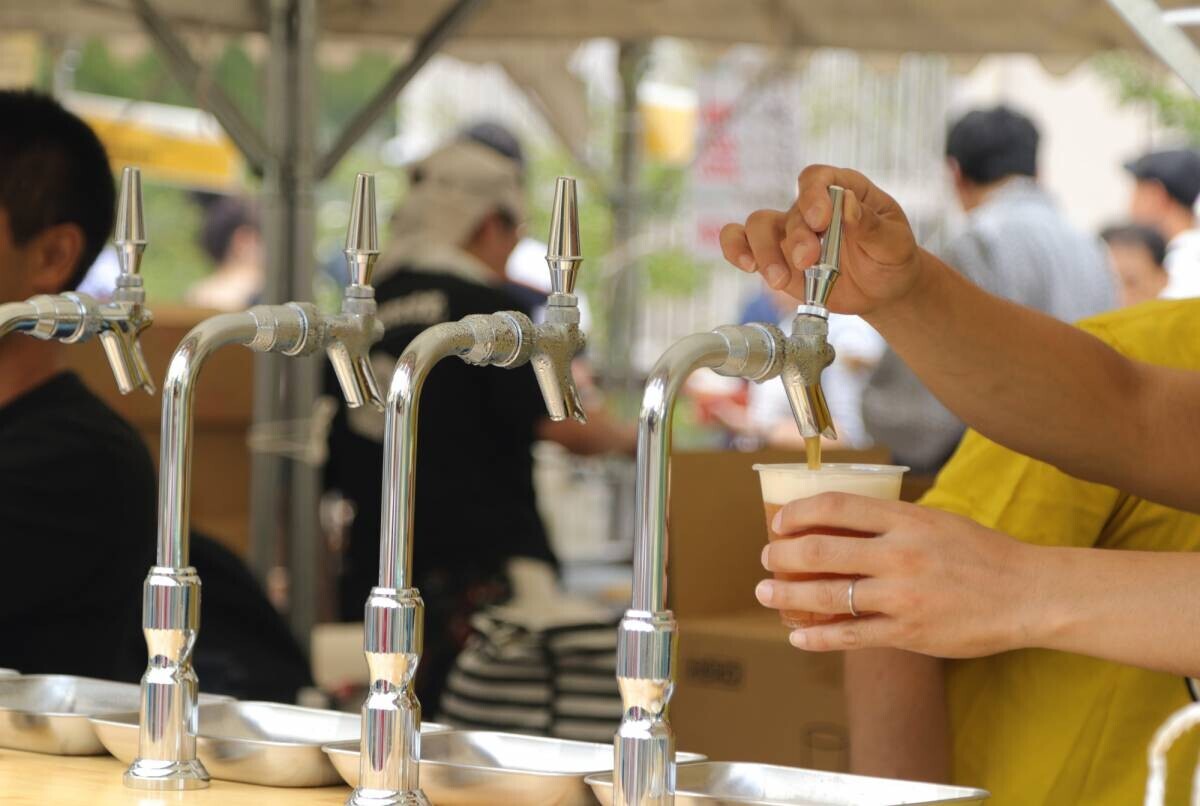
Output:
x=560 y=339
x=120 y=342
x=349 y=354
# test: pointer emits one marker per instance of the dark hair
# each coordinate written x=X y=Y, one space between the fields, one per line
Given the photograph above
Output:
x=991 y=144
x=53 y=170
x=1137 y=235
x=222 y=218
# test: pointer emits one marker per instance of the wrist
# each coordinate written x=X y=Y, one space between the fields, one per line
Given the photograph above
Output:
x=913 y=305
x=1041 y=613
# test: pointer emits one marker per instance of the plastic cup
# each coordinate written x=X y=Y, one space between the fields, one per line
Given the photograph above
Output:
x=784 y=483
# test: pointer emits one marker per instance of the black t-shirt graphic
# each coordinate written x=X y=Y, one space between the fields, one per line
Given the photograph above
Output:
x=475 y=502
x=77 y=527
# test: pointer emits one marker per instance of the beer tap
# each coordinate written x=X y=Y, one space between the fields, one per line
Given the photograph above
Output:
x=644 y=746
x=73 y=317
x=166 y=757
x=393 y=627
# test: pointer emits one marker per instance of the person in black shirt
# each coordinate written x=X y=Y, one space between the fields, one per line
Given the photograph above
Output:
x=475 y=502
x=77 y=486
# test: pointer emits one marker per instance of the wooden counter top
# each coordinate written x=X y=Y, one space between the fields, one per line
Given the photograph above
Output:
x=32 y=779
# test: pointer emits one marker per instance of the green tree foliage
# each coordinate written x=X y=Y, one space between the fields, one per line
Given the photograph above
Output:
x=1137 y=82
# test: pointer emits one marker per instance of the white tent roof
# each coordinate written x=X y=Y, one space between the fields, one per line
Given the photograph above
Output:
x=1048 y=28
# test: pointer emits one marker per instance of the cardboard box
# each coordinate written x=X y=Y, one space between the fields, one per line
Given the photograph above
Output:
x=745 y=694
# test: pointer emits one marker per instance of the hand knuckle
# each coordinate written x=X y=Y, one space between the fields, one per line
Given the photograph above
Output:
x=826 y=598
x=850 y=635
x=811 y=552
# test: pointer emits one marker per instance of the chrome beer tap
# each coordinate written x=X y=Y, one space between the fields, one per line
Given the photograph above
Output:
x=644 y=746
x=166 y=756
x=394 y=621
x=73 y=317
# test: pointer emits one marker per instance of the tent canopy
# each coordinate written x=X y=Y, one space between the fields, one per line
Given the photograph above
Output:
x=1048 y=28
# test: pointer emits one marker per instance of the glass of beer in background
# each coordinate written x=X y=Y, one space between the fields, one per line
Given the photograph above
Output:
x=784 y=483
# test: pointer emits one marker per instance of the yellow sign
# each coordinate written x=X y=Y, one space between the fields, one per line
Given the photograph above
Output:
x=212 y=163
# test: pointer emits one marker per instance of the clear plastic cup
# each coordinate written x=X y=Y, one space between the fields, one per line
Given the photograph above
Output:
x=784 y=483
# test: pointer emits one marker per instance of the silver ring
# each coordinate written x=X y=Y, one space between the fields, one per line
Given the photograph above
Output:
x=850 y=597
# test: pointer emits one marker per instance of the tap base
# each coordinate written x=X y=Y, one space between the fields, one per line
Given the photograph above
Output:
x=385 y=797
x=145 y=773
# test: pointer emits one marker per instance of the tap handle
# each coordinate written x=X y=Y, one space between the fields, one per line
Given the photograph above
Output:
x=130 y=235
x=563 y=253
x=819 y=278
x=362 y=235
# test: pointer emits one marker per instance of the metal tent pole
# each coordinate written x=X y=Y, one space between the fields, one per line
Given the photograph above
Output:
x=284 y=496
x=622 y=313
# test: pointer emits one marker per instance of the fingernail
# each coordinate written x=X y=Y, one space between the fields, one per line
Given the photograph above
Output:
x=813 y=215
x=746 y=262
x=765 y=556
x=799 y=255
x=777 y=522
x=764 y=590
x=776 y=275
x=798 y=639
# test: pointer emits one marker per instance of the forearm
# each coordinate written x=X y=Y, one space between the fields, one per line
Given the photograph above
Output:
x=1134 y=607
x=1046 y=389
x=896 y=708
x=600 y=435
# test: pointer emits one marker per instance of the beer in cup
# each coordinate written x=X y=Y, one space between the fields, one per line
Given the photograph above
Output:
x=784 y=483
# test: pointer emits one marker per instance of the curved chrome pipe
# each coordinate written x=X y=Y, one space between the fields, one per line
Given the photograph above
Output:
x=400 y=445
x=16 y=316
x=654 y=457
x=171 y=595
x=175 y=452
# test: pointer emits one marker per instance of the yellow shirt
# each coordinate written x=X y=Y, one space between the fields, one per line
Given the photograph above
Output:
x=1042 y=727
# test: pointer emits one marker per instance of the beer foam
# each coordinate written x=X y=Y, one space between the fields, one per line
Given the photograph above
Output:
x=783 y=483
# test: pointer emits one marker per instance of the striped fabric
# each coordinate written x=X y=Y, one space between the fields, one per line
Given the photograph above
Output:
x=559 y=681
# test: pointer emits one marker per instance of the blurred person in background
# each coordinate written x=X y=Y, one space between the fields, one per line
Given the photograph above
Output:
x=476 y=510
x=77 y=485
x=1165 y=189
x=1016 y=244
x=1137 y=255
x=231 y=236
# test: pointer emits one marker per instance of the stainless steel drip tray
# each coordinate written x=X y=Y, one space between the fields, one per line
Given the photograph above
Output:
x=48 y=713
x=483 y=768
x=252 y=742
x=722 y=783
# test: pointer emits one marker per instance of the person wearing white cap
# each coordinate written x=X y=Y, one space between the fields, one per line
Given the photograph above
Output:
x=449 y=244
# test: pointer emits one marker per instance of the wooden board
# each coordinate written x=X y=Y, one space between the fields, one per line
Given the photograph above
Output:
x=32 y=779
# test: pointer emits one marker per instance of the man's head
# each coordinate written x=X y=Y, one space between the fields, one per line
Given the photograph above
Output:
x=1166 y=184
x=1137 y=256
x=468 y=195
x=986 y=147
x=57 y=197
x=231 y=234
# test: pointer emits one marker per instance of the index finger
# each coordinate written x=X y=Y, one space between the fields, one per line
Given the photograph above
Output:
x=841 y=511
x=813 y=200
